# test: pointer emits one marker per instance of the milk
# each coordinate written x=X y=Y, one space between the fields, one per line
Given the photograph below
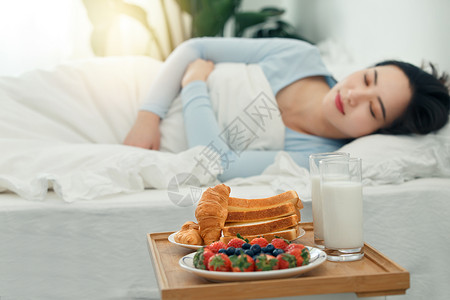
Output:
x=317 y=207
x=342 y=214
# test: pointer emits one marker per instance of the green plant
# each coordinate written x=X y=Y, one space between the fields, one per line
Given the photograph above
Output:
x=210 y=17
x=245 y=20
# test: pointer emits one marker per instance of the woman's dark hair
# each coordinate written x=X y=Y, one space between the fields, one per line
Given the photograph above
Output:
x=428 y=110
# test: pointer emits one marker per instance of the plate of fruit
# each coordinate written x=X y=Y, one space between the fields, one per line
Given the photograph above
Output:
x=254 y=260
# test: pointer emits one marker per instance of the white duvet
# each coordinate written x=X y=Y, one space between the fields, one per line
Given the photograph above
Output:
x=63 y=129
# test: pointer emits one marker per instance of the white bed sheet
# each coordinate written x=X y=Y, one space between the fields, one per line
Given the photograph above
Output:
x=97 y=249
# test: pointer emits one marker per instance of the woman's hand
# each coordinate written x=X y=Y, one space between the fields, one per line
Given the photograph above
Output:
x=197 y=70
x=145 y=132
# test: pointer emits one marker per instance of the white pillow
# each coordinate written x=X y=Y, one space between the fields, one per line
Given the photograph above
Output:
x=394 y=159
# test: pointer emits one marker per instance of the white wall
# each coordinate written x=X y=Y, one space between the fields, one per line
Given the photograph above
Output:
x=45 y=32
x=35 y=34
x=373 y=30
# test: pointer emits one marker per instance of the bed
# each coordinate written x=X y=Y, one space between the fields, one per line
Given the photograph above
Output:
x=75 y=204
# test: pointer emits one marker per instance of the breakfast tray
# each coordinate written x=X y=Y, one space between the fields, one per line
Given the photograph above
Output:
x=374 y=275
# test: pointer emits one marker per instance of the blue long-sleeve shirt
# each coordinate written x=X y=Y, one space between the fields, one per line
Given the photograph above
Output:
x=283 y=61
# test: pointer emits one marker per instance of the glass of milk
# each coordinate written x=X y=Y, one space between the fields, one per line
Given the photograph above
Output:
x=316 y=196
x=342 y=207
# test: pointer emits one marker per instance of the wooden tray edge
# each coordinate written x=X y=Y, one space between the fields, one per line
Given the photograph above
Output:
x=389 y=264
x=162 y=280
x=286 y=288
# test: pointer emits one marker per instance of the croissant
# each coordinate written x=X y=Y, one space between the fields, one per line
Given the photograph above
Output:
x=189 y=234
x=212 y=211
x=189 y=225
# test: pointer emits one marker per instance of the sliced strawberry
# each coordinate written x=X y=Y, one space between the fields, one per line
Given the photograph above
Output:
x=219 y=262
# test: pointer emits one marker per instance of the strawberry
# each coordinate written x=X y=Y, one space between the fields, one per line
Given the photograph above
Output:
x=298 y=255
x=280 y=243
x=306 y=255
x=286 y=261
x=201 y=258
x=219 y=262
x=236 y=243
x=266 y=262
x=293 y=246
x=259 y=241
x=302 y=255
x=305 y=251
x=242 y=263
x=216 y=246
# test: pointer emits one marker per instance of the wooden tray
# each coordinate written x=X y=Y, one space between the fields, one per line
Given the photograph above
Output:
x=374 y=275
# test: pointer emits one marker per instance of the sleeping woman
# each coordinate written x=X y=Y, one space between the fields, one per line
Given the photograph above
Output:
x=319 y=114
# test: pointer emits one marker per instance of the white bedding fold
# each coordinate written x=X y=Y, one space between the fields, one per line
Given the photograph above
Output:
x=85 y=171
x=63 y=128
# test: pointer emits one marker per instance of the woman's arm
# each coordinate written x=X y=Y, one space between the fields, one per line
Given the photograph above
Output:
x=270 y=53
x=202 y=129
x=145 y=131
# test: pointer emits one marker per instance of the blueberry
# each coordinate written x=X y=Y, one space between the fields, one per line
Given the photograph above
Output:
x=256 y=248
x=223 y=251
x=230 y=251
x=249 y=252
x=238 y=251
x=277 y=252
x=246 y=246
x=264 y=250
x=270 y=247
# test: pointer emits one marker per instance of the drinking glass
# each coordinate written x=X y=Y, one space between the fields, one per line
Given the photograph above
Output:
x=342 y=204
x=316 y=196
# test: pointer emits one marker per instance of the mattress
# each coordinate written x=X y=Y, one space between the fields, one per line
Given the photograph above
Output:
x=96 y=249
x=84 y=250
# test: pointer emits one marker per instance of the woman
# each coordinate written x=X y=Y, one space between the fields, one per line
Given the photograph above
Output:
x=319 y=114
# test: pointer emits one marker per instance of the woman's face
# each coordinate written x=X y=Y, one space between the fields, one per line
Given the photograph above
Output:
x=367 y=100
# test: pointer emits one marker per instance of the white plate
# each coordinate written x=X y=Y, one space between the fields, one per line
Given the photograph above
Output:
x=317 y=258
x=171 y=239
